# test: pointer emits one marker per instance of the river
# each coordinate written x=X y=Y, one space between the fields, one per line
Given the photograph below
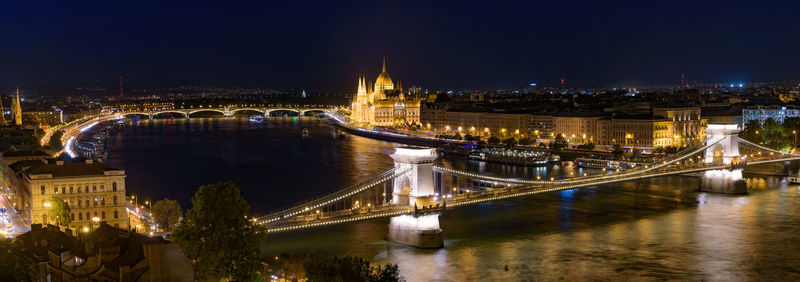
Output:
x=653 y=229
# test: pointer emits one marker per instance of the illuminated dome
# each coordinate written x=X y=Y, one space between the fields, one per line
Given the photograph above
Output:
x=383 y=82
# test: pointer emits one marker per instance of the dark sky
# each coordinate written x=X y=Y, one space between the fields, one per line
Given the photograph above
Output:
x=434 y=44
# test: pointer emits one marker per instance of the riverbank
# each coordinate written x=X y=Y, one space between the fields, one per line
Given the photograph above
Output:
x=406 y=139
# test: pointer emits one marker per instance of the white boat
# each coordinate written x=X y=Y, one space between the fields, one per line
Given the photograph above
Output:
x=258 y=119
x=795 y=178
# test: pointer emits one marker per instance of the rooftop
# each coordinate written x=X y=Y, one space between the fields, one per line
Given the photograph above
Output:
x=68 y=169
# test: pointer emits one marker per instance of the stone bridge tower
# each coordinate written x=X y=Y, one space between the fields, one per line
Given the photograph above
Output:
x=415 y=188
x=728 y=180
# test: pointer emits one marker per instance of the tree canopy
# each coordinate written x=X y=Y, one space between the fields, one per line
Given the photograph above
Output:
x=60 y=211
x=14 y=265
x=167 y=213
x=218 y=238
x=318 y=268
x=55 y=140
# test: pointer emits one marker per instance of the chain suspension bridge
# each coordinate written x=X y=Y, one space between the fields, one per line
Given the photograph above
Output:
x=415 y=191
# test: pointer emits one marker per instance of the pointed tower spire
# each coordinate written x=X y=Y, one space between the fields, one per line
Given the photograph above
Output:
x=384 y=64
x=17 y=110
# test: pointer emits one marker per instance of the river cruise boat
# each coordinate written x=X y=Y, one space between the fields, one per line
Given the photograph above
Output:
x=515 y=157
x=607 y=164
x=256 y=119
x=794 y=178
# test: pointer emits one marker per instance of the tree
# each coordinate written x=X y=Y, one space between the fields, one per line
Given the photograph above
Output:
x=525 y=141
x=318 y=268
x=494 y=140
x=167 y=213
x=60 y=211
x=752 y=131
x=55 y=140
x=774 y=135
x=792 y=124
x=559 y=143
x=510 y=142
x=457 y=136
x=618 y=151
x=15 y=265
x=217 y=237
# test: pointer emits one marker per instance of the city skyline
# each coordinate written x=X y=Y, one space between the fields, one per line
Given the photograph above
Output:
x=437 y=46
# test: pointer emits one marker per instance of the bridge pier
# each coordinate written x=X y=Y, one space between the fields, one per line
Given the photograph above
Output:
x=723 y=181
x=725 y=152
x=415 y=188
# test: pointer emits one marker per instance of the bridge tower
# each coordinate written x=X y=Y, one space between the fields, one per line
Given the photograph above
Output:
x=726 y=152
x=415 y=188
x=226 y=111
x=727 y=149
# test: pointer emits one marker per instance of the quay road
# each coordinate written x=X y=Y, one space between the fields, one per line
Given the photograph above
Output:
x=11 y=223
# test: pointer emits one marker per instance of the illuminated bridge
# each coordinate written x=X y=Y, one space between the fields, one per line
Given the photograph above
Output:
x=225 y=110
x=415 y=191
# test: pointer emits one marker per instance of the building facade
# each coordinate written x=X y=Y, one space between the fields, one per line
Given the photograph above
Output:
x=762 y=113
x=644 y=134
x=687 y=124
x=384 y=104
x=94 y=192
x=576 y=130
x=501 y=125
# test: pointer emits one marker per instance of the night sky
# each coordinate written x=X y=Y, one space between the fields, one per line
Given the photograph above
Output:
x=324 y=46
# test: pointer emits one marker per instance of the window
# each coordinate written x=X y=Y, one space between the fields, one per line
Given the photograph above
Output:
x=103 y=201
x=63 y=189
x=102 y=188
x=42 y=189
x=103 y=215
x=95 y=213
x=44 y=218
x=87 y=202
x=114 y=186
x=79 y=202
x=72 y=217
x=55 y=190
x=115 y=200
x=95 y=201
x=94 y=188
x=88 y=216
x=80 y=216
x=116 y=214
x=70 y=189
x=79 y=189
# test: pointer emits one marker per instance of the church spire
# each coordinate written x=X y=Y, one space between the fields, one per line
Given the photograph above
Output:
x=384 y=64
x=17 y=110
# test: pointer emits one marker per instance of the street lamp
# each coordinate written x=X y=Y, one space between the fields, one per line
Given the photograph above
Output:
x=95 y=220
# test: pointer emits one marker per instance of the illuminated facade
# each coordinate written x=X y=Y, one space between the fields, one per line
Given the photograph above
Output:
x=92 y=190
x=383 y=104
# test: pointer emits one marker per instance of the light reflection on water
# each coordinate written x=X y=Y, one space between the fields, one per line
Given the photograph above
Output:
x=652 y=229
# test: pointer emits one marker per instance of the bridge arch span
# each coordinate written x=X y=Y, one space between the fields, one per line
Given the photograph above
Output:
x=165 y=112
x=248 y=109
x=136 y=114
x=206 y=110
x=318 y=111
x=296 y=111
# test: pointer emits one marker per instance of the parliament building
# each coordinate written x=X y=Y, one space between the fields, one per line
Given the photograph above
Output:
x=384 y=104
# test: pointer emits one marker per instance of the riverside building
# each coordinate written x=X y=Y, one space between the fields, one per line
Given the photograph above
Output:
x=94 y=191
x=384 y=104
